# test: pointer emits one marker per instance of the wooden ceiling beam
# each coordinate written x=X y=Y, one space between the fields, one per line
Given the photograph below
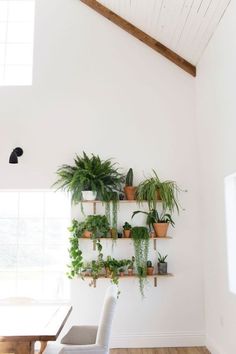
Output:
x=142 y=36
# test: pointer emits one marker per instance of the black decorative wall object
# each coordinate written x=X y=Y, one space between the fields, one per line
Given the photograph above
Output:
x=17 y=152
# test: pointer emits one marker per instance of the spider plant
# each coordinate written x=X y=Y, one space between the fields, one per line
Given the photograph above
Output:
x=168 y=191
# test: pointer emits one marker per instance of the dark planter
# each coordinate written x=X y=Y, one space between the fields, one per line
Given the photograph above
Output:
x=162 y=268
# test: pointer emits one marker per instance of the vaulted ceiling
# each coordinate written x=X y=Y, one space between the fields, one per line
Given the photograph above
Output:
x=183 y=26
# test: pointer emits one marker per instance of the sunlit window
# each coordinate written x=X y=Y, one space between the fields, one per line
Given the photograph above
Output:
x=230 y=203
x=34 y=244
x=16 y=42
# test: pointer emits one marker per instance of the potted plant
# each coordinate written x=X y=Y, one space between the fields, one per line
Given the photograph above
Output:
x=162 y=223
x=127 y=229
x=140 y=238
x=151 y=217
x=121 y=272
x=112 y=266
x=162 y=264
x=159 y=222
x=150 y=268
x=129 y=190
x=96 y=270
x=96 y=226
x=153 y=189
x=114 y=233
x=130 y=269
x=90 y=177
x=87 y=269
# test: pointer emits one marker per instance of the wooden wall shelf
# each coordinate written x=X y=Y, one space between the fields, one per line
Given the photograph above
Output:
x=126 y=276
x=128 y=238
x=133 y=276
x=124 y=201
x=125 y=238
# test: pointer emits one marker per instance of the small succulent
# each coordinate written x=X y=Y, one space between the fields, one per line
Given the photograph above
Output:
x=162 y=259
x=127 y=226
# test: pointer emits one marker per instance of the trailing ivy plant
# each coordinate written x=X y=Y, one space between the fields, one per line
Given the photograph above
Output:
x=76 y=255
x=98 y=225
x=114 y=266
x=140 y=238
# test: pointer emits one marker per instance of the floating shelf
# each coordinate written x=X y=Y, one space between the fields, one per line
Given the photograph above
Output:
x=128 y=238
x=124 y=238
x=133 y=276
x=154 y=276
x=120 y=201
x=95 y=202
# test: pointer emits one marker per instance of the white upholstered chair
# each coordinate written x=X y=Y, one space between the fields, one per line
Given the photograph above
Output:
x=89 y=339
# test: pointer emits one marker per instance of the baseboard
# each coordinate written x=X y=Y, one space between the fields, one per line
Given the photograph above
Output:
x=172 y=339
x=211 y=346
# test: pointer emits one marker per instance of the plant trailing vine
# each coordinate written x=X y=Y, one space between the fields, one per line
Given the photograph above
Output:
x=75 y=253
x=96 y=269
x=140 y=238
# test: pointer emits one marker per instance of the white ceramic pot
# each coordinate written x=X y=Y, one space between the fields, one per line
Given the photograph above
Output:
x=89 y=195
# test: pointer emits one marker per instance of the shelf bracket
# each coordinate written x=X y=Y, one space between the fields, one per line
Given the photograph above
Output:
x=94 y=208
x=155 y=282
x=155 y=244
x=94 y=245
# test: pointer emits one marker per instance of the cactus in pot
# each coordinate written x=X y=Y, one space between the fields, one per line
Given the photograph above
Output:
x=130 y=190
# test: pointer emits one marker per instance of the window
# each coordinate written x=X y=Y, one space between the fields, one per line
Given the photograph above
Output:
x=230 y=203
x=16 y=42
x=34 y=244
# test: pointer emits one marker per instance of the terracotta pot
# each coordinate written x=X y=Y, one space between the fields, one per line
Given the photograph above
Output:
x=108 y=273
x=127 y=233
x=130 y=192
x=150 y=270
x=130 y=271
x=88 y=272
x=161 y=229
x=87 y=234
x=113 y=233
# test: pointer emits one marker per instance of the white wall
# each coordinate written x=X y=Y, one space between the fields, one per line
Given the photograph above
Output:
x=216 y=111
x=97 y=89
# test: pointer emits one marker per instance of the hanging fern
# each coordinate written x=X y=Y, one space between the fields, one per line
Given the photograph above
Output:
x=140 y=238
x=90 y=172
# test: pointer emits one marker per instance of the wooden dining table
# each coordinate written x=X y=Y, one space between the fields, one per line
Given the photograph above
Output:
x=23 y=325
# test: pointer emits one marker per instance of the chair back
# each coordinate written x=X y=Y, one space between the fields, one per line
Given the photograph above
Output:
x=107 y=314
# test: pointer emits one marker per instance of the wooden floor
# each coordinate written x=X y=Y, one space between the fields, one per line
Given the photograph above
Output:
x=193 y=350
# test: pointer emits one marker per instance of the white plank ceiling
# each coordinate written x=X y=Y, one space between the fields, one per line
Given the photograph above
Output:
x=185 y=26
